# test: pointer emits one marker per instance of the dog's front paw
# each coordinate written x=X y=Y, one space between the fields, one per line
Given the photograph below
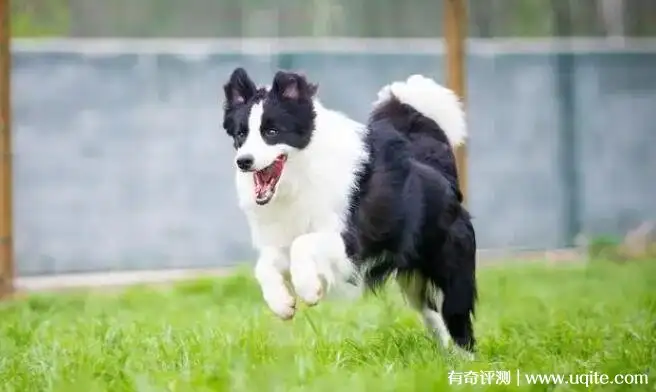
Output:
x=309 y=288
x=273 y=284
x=303 y=269
x=280 y=301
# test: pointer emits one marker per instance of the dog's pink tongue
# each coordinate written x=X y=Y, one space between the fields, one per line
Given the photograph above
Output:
x=260 y=183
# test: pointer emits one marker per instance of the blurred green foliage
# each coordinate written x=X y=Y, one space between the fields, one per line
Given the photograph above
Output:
x=39 y=18
x=354 y=18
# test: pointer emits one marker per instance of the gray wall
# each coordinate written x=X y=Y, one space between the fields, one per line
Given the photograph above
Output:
x=121 y=162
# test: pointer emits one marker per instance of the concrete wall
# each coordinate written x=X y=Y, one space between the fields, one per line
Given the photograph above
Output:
x=121 y=161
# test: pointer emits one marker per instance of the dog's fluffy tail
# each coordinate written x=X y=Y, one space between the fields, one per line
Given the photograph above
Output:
x=432 y=100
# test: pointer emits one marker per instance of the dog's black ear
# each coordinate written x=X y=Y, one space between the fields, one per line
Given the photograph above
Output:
x=293 y=86
x=239 y=89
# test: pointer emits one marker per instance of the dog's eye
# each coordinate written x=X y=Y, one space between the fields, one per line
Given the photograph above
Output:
x=270 y=132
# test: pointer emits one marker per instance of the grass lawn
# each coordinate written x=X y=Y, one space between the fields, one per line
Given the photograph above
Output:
x=217 y=335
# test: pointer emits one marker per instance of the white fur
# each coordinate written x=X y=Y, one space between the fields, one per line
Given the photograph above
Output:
x=433 y=101
x=307 y=214
x=271 y=274
x=318 y=261
x=411 y=286
x=298 y=232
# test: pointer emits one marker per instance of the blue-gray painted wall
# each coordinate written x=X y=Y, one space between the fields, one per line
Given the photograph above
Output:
x=121 y=161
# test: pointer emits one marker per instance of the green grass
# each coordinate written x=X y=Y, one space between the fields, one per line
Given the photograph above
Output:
x=216 y=335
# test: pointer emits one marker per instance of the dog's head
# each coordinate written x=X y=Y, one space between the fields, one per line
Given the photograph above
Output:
x=268 y=125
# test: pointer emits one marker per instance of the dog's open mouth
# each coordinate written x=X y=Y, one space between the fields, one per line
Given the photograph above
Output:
x=267 y=179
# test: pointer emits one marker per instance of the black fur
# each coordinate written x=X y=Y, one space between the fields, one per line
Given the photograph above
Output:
x=406 y=216
x=288 y=115
x=405 y=213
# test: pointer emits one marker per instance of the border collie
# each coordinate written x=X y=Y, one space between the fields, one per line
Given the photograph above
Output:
x=328 y=198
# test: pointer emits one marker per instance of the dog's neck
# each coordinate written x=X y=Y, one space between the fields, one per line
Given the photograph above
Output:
x=336 y=152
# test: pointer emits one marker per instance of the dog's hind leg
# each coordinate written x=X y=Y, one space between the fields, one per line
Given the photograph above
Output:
x=457 y=310
x=459 y=285
x=419 y=295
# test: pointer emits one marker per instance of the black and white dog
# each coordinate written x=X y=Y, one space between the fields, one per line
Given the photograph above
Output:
x=328 y=198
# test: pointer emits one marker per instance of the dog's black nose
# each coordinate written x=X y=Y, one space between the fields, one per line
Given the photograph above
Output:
x=245 y=162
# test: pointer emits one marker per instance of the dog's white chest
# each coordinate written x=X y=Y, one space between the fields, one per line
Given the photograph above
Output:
x=304 y=210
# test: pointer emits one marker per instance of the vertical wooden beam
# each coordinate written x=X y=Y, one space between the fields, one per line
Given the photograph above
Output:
x=6 y=218
x=455 y=31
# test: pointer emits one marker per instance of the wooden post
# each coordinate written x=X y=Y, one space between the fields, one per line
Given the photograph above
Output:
x=6 y=218
x=455 y=26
